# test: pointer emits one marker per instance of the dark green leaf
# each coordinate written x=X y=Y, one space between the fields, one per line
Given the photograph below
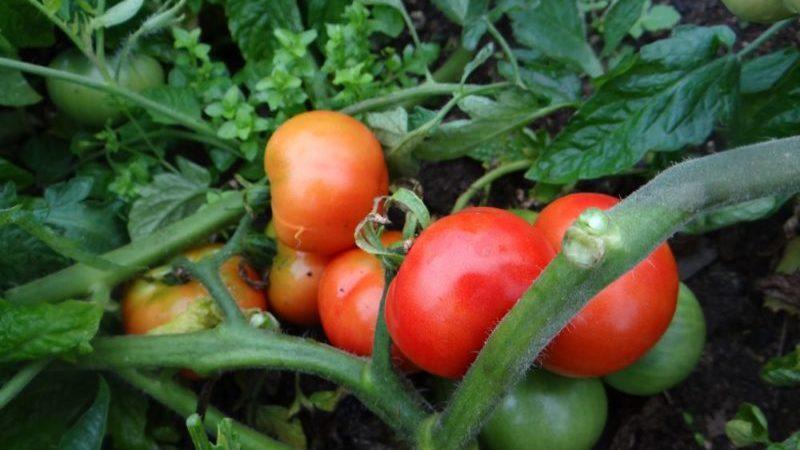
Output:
x=24 y=26
x=252 y=23
x=760 y=74
x=769 y=114
x=556 y=28
x=37 y=331
x=740 y=212
x=321 y=12
x=275 y=420
x=557 y=84
x=669 y=97
x=748 y=427
x=16 y=90
x=127 y=419
x=783 y=370
x=88 y=432
x=48 y=158
x=481 y=57
x=11 y=172
x=619 y=19
x=470 y=14
x=178 y=99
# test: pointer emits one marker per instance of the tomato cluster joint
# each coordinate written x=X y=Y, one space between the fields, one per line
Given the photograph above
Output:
x=587 y=240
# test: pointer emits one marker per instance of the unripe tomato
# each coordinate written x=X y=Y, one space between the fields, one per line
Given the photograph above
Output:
x=548 y=412
x=626 y=318
x=325 y=169
x=149 y=303
x=461 y=276
x=294 y=283
x=673 y=358
x=91 y=106
x=761 y=11
x=792 y=5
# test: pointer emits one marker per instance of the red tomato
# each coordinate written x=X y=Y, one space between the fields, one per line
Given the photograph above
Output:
x=350 y=298
x=625 y=319
x=325 y=170
x=461 y=276
x=149 y=303
x=293 y=285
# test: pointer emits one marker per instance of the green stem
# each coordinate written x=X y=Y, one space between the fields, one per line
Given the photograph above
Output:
x=235 y=347
x=184 y=402
x=497 y=36
x=451 y=69
x=639 y=223
x=425 y=90
x=80 y=280
x=189 y=122
x=763 y=37
x=382 y=343
x=18 y=382
x=487 y=179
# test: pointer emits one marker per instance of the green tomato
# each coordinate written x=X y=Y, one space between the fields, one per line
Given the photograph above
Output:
x=93 y=107
x=792 y=5
x=673 y=357
x=527 y=214
x=761 y=11
x=548 y=412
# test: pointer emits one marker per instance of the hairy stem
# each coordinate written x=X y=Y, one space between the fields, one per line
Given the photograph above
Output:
x=641 y=222
x=424 y=90
x=764 y=37
x=486 y=180
x=21 y=379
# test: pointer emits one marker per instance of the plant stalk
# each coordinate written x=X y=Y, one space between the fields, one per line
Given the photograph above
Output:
x=21 y=379
x=486 y=180
x=424 y=90
x=764 y=37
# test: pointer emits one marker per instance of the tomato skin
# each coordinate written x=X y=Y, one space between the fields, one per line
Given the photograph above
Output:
x=626 y=318
x=546 y=411
x=325 y=170
x=93 y=107
x=461 y=276
x=760 y=11
x=293 y=285
x=673 y=358
x=150 y=304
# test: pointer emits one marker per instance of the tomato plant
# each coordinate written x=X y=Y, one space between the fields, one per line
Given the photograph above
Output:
x=624 y=320
x=547 y=411
x=89 y=106
x=150 y=302
x=673 y=357
x=460 y=277
x=325 y=170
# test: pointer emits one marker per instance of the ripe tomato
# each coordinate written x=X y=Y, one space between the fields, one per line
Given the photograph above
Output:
x=673 y=358
x=350 y=298
x=293 y=285
x=548 y=412
x=149 y=303
x=626 y=318
x=761 y=11
x=93 y=107
x=325 y=170
x=461 y=277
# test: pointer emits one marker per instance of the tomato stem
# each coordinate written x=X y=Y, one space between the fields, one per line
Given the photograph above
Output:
x=487 y=179
x=763 y=37
x=21 y=379
x=424 y=90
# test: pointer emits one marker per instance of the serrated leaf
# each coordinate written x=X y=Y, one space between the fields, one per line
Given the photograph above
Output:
x=175 y=98
x=119 y=13
x=618 y=20
x=47 y=330
x=784 y=370
x=556 y=28
x=748 y=427
x=669 y=97
x=389 y=126
x=252 y=22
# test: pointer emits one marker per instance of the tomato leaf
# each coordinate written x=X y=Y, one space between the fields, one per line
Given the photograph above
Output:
x=670 y=96
x=127 y=418
x=762 y=73
x=470 y=14
x=16 y=90
x=11 y=172
x=783 y=370
x=740 y=212
x=556 y=28
x=88 y=432
x=618 y=20
x=544 y=78
x=748 y=427
x=181 y=100
x=46 y=330
x=252 y=23
x=277 y=421
x=23 y=26
x=119 y=13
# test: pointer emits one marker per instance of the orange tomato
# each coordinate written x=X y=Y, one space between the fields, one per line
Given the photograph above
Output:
x=293 y=283
x=325 y=170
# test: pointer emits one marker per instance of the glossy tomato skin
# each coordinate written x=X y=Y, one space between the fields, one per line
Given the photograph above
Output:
x=293 y=285
x=149 y=304
x=546 y=411
x=325 y=170
x=93 y=107
x=673 y=358
x=761 y=11
x=349 y=299
x=626 y=318
x=461 y=276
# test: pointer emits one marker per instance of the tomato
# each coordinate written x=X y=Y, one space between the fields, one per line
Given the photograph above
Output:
x=527 y=214
x=149 y=303
x=350 y=298
x=674 y=356
x=548 y=412
x=461 y=276
x=761 y=11
x=626 y=318
x=792 y=5
x=325 y=169
x=93 y=107
x=293 y=285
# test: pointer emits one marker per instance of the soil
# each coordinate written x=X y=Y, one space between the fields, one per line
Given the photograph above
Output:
x=723 y=269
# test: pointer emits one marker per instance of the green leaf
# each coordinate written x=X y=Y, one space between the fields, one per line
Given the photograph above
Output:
x=670 y=96
x=46 y=330
x=169 y=198
x=470 y=14
x=783 y=370
x=88 y=432
x=556 y=28
x=481 y=57
x=618 y=20
x=275 y=420
x=748 y=427
x=252 y=22
x=740 y=212
x=389 y=126
x=16 y=90
x=660 y=18
x=181 y=100
x=326 y=400
x=48 y=158
x=762 y=73
x=127 y=419
x=119 y=13
x=23 y=26
x=11 y=172
x=544 y=78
